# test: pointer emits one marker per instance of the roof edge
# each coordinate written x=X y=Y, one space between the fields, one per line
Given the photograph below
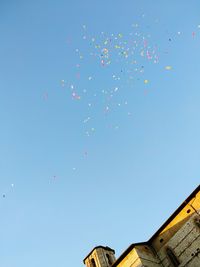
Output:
x=123 y=255
x=175 y=213
x=106 y=248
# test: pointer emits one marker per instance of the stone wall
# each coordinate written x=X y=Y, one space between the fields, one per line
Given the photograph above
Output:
x=185 y=244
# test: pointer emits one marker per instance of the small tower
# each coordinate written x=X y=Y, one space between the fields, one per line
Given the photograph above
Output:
x=100 y=257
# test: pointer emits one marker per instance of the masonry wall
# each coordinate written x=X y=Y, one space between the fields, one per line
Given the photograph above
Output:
x=177 y=243
x=94 y=255
x=177 y=222
x=99 y=255
x=147 y=256
x=131 y=260
x=185 y=245
x=181 y=236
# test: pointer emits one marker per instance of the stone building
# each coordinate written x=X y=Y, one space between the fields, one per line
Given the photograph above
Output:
x=176 y=243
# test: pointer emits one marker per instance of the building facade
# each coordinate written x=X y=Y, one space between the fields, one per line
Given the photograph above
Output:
x=176 y=243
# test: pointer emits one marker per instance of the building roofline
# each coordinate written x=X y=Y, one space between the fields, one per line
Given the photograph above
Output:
x=175 y=213
x=123 y=255
x=106 y=248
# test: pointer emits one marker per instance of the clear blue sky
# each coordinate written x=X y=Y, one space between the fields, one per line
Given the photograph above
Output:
x=99 y=142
